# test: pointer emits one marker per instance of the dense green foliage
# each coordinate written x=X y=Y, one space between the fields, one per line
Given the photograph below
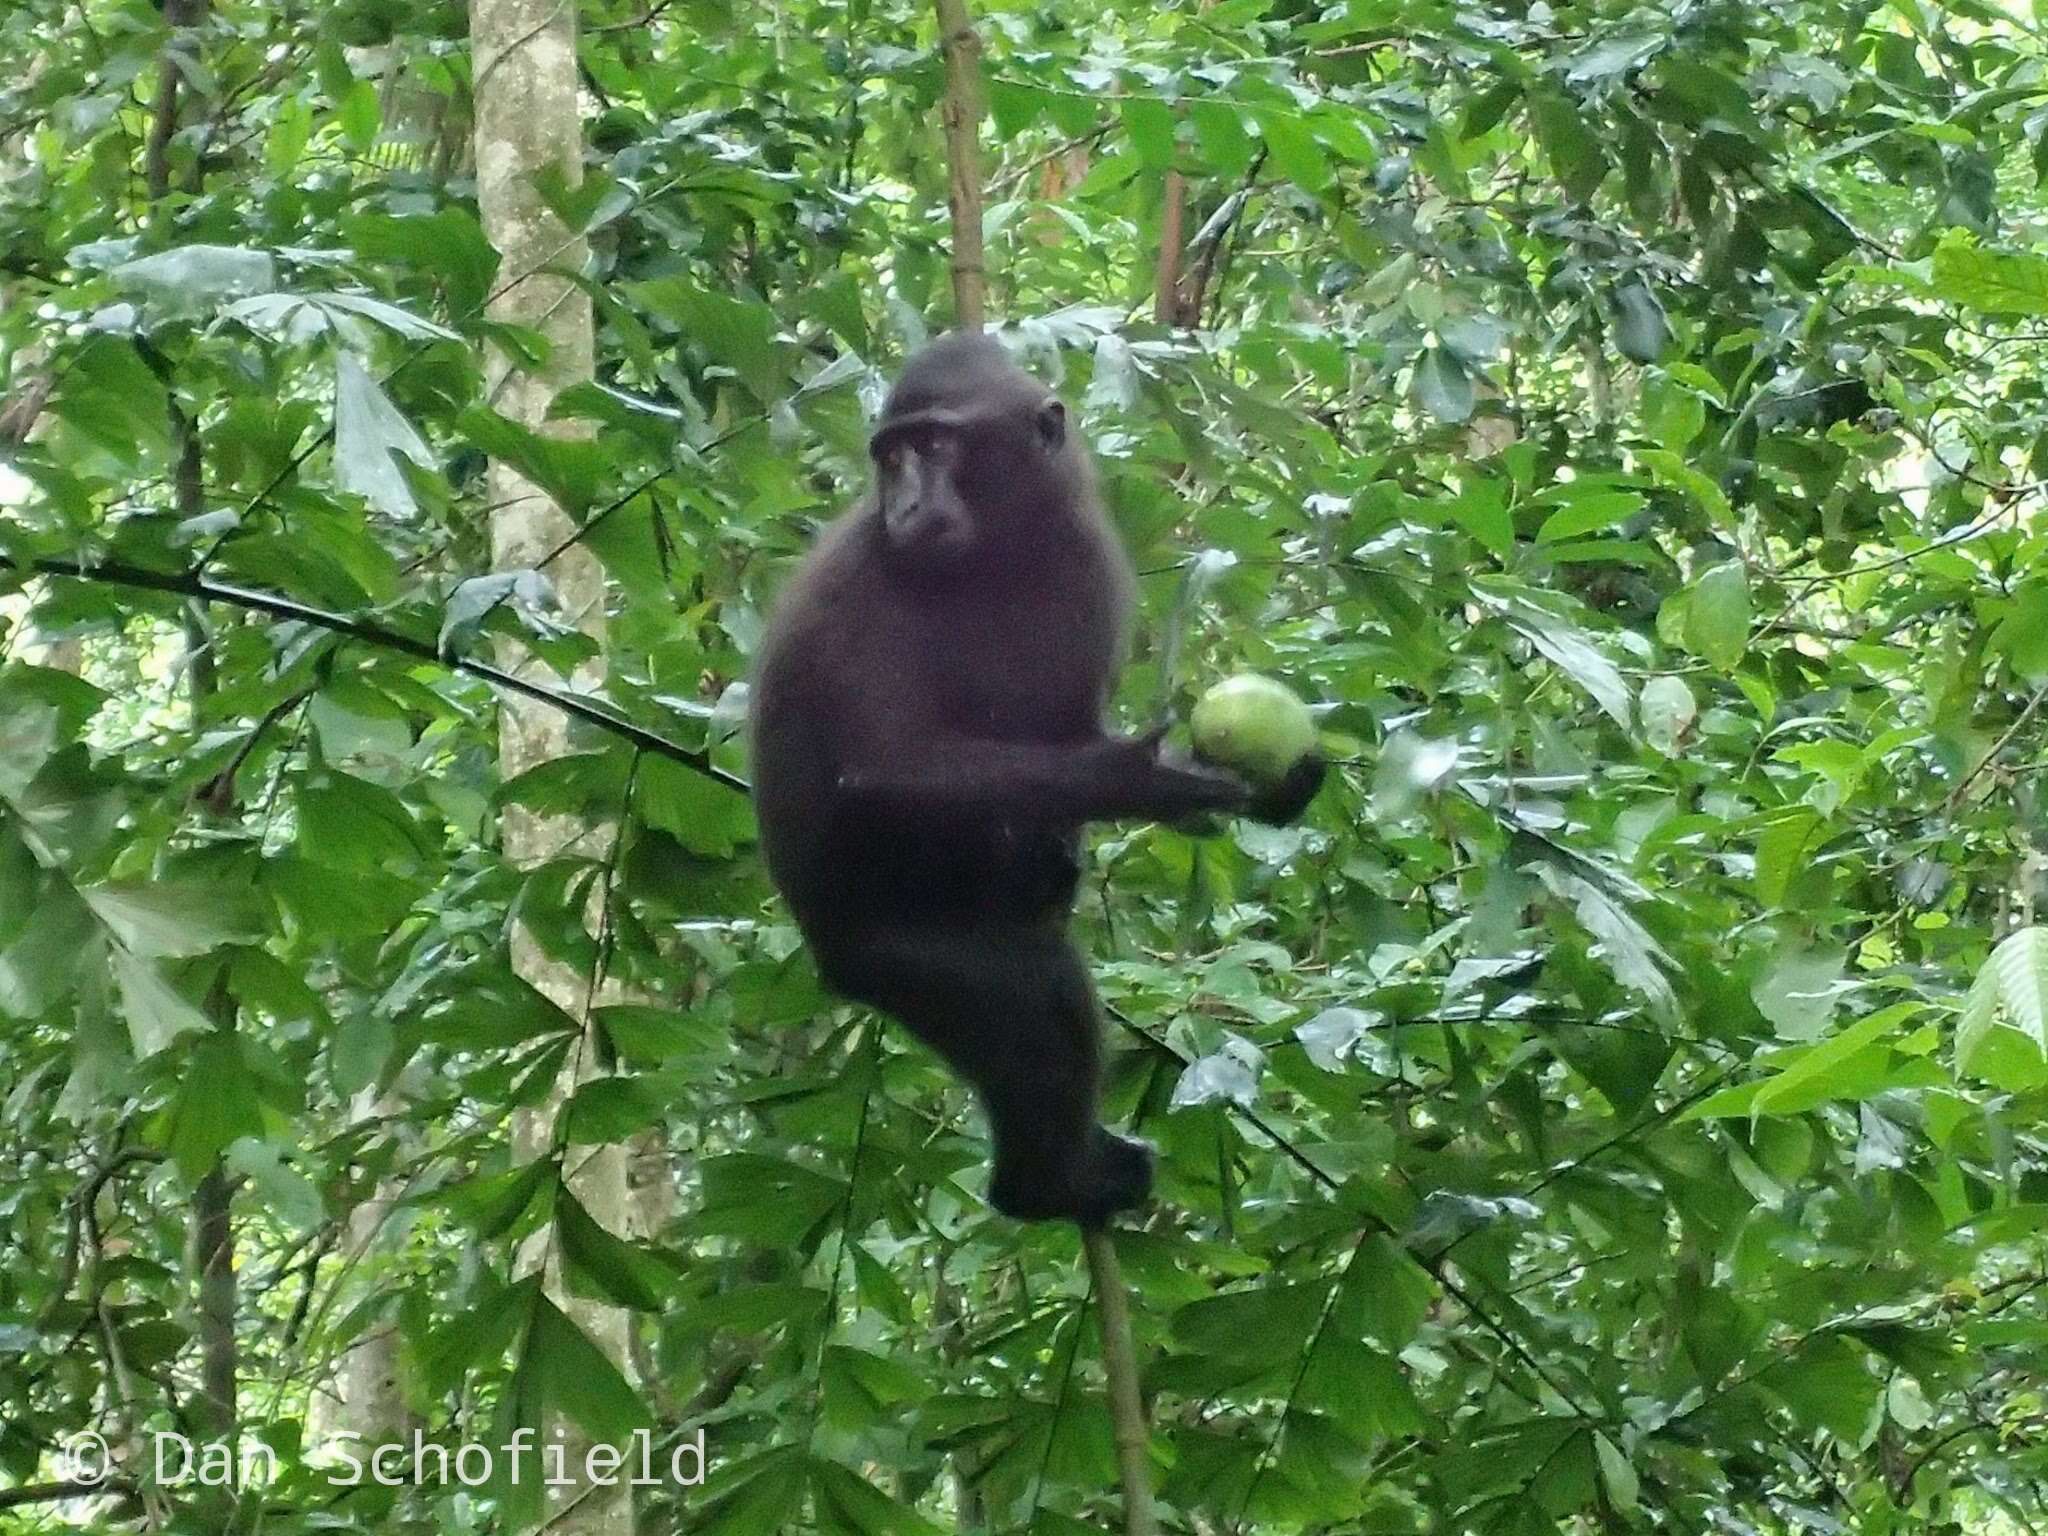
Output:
x=1620 y=1104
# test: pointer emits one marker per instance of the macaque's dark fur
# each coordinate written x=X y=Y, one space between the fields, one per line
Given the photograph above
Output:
x=928 y=741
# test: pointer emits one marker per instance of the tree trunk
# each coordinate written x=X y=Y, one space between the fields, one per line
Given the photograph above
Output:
x=524 y=61
x=365 y=1396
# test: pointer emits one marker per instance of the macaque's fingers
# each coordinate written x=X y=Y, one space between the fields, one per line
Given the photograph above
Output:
x=1286 y=800
x=1196 y=787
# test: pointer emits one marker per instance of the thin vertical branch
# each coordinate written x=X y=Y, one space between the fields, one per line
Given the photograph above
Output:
x=1175 y=301
x=212 y=1231
x=1167 y=307
x=1222 y=233
x=1120 y=1363
x=213 y=1244
x=179 y=16
x=961 y=115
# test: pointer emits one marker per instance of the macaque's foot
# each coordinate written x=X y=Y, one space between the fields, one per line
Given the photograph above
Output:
x=1114 y=1175
x=1123 y=1177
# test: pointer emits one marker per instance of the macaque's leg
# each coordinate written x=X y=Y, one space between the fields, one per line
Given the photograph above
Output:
x=1012 y=1009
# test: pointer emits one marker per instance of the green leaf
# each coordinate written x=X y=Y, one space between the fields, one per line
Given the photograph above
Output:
x=1443 y=386
x=1575 y=154
x=370 y=436
x=1616 y=1475
x=1667 y=468
x=1014 y=107
x=706 y=817
x=1226 y=148
x=491 y=1008
x=1668 y=710
x=769 y=1199
x=1587 y=508
x=1717 y=616
x=56 y=944
x=1801 y=988
x=1564 y=644
x=360 y=116
x=189 y=277
x=478 y=1335
x=156 y=1013
x=355 y=824
x=1385 y=1294
x=355 y=720
x=1294 y=150
x=1783 y=848
x=756 y=1497
x=1411 y=770
x=215 y=1106
x=493 y=1203
x=1991 y=282
x=1640 y=327
x=1148 y=122
x=2013 y=989
x=401 y=321
x=656 y=1035
x=559 y=1368
x=608 y=1109
x=175 y=919
x=601 y=1264
x=569 y=469
x=447 y=246
x=1629 y=950
x=849 y=1504
x=738 y=333
x=752 y=1309
x=2022 y=634
x=20 y=876
x=288 y=1193
x=864 y=1391
x=1813 y=1075
x=1361 y=1389
x=361 y=1047
x=1827 y=1385
x=1271 y=1318
x=590 y=784
x=1481 y=509
x=591 y=203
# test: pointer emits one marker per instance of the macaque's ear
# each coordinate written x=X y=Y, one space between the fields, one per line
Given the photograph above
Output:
x=1052 y=424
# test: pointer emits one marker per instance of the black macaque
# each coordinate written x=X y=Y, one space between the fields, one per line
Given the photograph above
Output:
x=928 y=742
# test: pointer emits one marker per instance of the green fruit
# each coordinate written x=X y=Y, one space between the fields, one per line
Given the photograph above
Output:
x=1253 y=725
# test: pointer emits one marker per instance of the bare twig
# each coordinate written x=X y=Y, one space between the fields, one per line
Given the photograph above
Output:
x=1955 y=796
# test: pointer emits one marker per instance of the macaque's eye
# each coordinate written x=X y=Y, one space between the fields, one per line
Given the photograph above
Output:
x=923 y=439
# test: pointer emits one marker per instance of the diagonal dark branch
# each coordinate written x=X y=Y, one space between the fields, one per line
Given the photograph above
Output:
x=190 y=584
x=51 y=1493
x=1437 y=1264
